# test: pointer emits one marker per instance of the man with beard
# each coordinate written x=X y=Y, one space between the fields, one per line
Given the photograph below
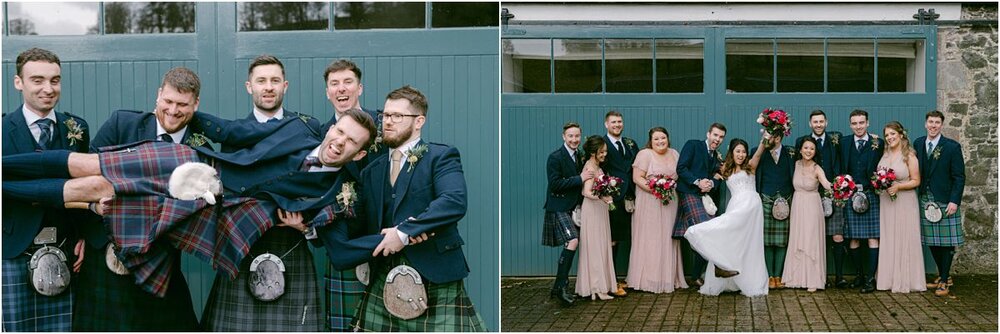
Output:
x=696 y=167
x=562 y=196
x=774 y=184
x=621 y=155
x=417 y=188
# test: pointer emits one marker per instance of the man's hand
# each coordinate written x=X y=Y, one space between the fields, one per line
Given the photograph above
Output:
x=390 y=243
x=291 y=219
x=705 y=185
x=586 y=174
x=81 y=247
x=952 y=208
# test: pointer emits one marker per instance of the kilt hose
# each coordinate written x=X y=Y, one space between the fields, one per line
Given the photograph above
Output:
x=775 y=231
x=946 y=233
x=558 y=229
x=691 y=211
x=231 y=307
x=24 y=309
x=108 y=302
x=863 y=225
x=449 y=307
x=343 y=295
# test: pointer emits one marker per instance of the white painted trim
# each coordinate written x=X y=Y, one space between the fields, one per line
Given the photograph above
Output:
x=781 y=12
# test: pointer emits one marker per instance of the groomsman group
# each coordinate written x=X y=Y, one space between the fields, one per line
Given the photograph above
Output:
x=942 y=172
x=407 y=205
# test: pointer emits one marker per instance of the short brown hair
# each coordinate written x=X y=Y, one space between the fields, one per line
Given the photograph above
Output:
x=265 y=60
x=859 y=112
x=340 y=65
x=183 y=79
x=570 y=125
x=417 y=99
x=36 y=54
x=817 y=112
x=717 y=126
x=613 y=113
x=935 y=113
x=366 y=121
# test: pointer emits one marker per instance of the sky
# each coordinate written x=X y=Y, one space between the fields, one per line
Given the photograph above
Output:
x=56 y=18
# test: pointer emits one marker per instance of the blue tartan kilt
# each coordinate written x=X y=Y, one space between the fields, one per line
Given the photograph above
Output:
x=559 y=229
x=343 y=294
x=835 y=223
x=863 y=226
x=24 y=309
x=691 y=211
x=143 y=168
x=946 y=233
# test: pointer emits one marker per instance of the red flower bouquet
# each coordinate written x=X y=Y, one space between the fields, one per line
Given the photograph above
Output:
x=843 y=188
x=775 y=122
x=607 y=185
x=662 y=187
x=882 y=179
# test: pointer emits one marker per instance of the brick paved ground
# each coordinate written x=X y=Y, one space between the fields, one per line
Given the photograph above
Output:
x=526 y=306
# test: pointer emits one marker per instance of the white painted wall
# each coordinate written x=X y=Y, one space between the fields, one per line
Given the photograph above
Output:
x=728 y=11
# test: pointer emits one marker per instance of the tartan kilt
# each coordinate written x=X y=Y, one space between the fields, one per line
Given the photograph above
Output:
x=108 y=302
x=947 y=232
x=835 y=223
x=775 y=231
x=343 y=295
x=24 y=309
x=449 y=307
x=863 y=226
x=691 y=211
x=231 y=307
x=143 y=168
x=559 y=229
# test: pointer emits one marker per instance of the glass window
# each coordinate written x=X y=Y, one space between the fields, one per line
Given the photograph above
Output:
x=901 y=65
x=465 y=14
x=526 y=66
x=680 y=65
x=375 y=15
x=577 y=65
x=800 y=65
x=749 y=65
x=264 y=16
x=629 y=65
x=851 y=65
x=52 y=18
x=148 y=17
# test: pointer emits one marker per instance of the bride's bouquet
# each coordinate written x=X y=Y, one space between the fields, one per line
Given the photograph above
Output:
x=882 y=179
x=843 y=189
x=607 y=185
x=662 y=187
x=775 y=122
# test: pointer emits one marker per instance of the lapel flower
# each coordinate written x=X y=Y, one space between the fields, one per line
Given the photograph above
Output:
x=937 y=152
x=791 y=152
x=305 y=118
x=630 y=143
x=196 y=139
x=75 y=131
x=378 y=140
x=835 y=139
x=415 y=154
x=874 y=143
x=346 y=198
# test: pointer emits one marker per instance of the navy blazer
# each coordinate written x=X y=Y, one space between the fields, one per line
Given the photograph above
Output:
x=863 y=164
x=22 y=221
x=234 y=145
x=433 y=194
x=694 y=164
x=829 y=155
x=773 y=178
x=621 y=167
x=565 y=184
x=943 y=175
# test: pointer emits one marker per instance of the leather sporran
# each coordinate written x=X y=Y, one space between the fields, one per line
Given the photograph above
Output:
x=48 y=272
x=932 y=212
x=859 y=202
x=363 y=271
x=780 y=209
x=827 y=206
x=116 y=266
x=405 y=295
x=267 y=277
x=630 y=205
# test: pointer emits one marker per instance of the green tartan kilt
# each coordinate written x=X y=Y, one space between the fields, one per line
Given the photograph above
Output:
x=775 y=231
x=449 y=307
x=343 y=294
x=947 y=232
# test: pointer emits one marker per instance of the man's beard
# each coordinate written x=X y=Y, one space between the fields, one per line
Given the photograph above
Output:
x=277 y=104
x=402 y=138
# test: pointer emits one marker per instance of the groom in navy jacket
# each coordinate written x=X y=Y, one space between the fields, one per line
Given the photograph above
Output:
x=698 y=163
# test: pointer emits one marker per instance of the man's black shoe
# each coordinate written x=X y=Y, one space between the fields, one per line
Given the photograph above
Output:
x=858 y=282
x=565 y=298
x=869 y=286
x=841 y=283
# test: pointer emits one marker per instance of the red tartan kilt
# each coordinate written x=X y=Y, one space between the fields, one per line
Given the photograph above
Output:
x=143 y=168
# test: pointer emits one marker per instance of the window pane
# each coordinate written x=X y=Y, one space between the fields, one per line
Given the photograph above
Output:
x=375 y=15
x=749 y=65
x=680 y=65
x=852 y=65
x=148 y=17
x=901 y=65
x=578 y=65
x=800 y=65
x=629 y=65
x=526 y=66
x=263 y=16
x=52 y=18
x=465 y=14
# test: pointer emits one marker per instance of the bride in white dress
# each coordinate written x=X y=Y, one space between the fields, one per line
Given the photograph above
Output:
x=734 y=241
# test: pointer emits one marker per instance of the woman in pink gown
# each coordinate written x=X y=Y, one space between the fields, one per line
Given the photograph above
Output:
x=901 y=260
x=595 y=276
x=805 y=266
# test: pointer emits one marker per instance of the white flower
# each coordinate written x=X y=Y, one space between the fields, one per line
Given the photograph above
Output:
x=613 y=183
x=661 y=182
x=760 y=119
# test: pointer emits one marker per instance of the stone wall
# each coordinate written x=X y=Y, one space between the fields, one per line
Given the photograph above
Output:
x=967 y=94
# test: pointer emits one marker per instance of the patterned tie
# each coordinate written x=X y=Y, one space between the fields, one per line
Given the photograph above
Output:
x=930 y=148
x=45 y=137
x=167 y=138
x=397 y=157
x=310 y=162
x=861 y=143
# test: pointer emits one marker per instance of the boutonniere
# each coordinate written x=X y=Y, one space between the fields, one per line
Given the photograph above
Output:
x=874 y=144
x=196 y=139
x=347 y=197
x=378 y=140
x=937 y=153
x=835 y=139
x=75 y=131
x=791 y=152
x=305 y=118
x=415 y=154
x=630 y=142
x=718 y=156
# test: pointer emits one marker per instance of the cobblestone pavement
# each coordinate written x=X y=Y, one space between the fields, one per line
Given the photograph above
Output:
x=526 y=306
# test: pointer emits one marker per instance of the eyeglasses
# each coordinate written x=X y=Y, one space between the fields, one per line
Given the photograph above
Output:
x=396 y=118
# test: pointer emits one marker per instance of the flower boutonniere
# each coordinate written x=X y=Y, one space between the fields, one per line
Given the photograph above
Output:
x=305 y=118
x=875 y=144
x=791 y=152
x=630 y=143
x=835 y=139
x=75 y=131
x=196 y=139
x=937 y=153
x=346 y=198
x=415 y=154
x=378 y=140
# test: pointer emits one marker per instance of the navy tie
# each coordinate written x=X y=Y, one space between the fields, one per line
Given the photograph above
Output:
x=45 y=125
x=621 y=149
x=273 y=120
x=167 y=138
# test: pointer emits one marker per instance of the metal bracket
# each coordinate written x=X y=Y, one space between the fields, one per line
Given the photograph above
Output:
x=926 y=17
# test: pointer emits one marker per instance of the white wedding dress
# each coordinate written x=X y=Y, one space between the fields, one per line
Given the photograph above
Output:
x=734 y=241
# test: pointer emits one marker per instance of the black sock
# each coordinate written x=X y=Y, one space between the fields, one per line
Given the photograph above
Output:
x=873 y=262
x=37 y=165
x=856 y=258
x=838 y=259
x=564 y=264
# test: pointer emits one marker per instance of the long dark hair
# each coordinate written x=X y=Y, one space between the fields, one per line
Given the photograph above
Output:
x=592 y=145
x=817 y=158
x=729 y=165
x=649 y=139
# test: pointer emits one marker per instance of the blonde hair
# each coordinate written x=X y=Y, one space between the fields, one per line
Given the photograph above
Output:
x=904 y=138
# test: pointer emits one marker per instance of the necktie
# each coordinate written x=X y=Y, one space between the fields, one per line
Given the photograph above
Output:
x=820 y=140
x=45 y=137
x=167 y=138
x=621 y=149
x=930 y=148
x=272 y=120
x=774 y=155
x=861 y=143
x=576 y=157
x=397 y=156
x=310 y=162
